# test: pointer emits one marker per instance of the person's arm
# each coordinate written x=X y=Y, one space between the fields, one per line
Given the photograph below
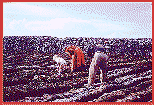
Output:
x=68 y=53
x=72 y=62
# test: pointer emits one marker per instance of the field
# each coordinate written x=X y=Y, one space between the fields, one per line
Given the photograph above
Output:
x=30 y=74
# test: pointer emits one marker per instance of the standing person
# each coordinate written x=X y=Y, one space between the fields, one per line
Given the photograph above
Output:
x=77 y=58
x=99 y=62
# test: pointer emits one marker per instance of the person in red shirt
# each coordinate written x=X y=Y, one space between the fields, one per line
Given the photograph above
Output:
x=77 y=58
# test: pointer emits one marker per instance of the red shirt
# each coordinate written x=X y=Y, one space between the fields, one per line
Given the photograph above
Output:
x=78 y=59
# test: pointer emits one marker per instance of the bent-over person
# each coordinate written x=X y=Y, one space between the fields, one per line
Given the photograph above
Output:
x=77 y=58
x=99 y=62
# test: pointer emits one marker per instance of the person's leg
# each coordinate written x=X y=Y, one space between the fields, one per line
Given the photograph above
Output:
x=101 y=76
x=102 y=67
x=103 y=73
x=63 y=68
x=81 y=68
x=91 y=77
x=59 y=69
x=92 y=73
x=74 y=63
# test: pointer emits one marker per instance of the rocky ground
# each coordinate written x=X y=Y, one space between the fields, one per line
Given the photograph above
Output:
x=30 y=75
x=127 y=82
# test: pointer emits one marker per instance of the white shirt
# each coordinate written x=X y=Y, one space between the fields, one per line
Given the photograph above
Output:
x=59 y=59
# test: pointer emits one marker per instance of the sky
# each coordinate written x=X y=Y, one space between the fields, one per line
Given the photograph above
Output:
x=78 y=19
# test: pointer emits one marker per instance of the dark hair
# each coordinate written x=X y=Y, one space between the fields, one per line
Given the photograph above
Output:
x=100 y=48
x=71 y=52
x=91 y=50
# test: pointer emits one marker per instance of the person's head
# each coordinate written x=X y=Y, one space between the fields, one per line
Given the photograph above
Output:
x=70 y=50
x=100 y=48
x=54 y=57
x=91 y=50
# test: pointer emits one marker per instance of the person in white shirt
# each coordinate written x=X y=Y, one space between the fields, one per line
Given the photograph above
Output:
x=99 y=62
x=61 y=63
